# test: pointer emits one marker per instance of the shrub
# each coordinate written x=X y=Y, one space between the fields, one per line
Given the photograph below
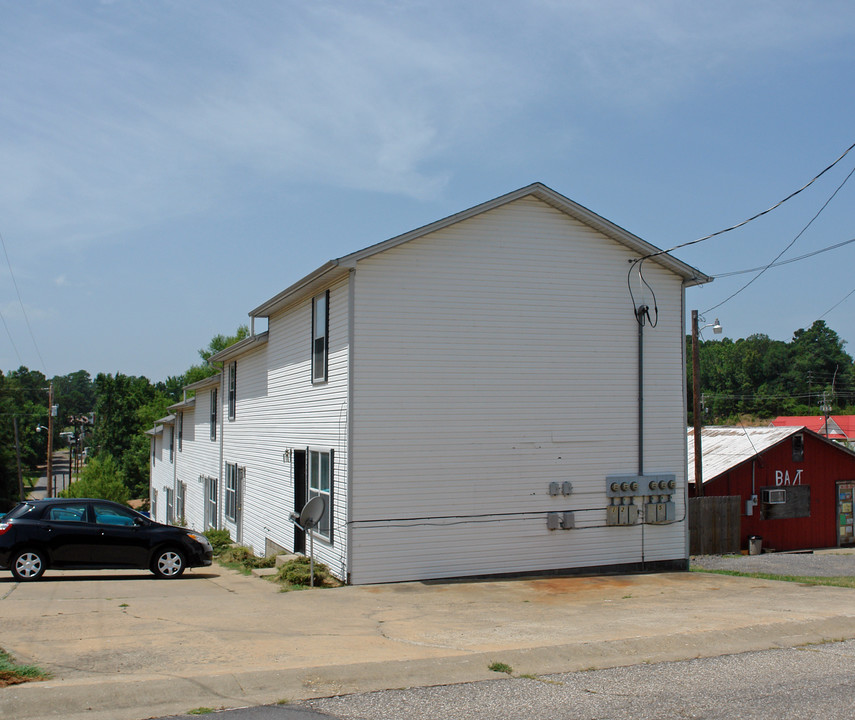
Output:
x=219 y=539
x=298 y=572
x=244 y=557
x=101 y=479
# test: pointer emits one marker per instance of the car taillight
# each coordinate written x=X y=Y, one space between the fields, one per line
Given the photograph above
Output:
x=4 y=527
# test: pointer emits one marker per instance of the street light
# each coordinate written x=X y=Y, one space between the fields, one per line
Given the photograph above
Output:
x=696 y=398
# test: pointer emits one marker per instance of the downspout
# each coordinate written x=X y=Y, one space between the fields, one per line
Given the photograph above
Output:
x=639 y=316
x=221 y=482
x=351 y=354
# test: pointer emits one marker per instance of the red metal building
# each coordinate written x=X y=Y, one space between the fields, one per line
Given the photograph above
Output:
x=796 y=486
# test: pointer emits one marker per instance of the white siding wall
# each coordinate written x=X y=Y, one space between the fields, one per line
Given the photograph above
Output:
x=280 y=409
x=494 y=357
x=198 y=458
x=162 y=472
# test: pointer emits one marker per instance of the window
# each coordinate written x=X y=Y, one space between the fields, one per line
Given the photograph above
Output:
x=111 y=515
x=798 y=448
x=230 y=508
x=170 y=505
x=320 y=331
x=232 y=389
x=321 y=483
x=180 y=430
x=68 y=513
x=172 y=444
x=179 y=502
x=210 y=502
x=214 y=414
x=784 y=503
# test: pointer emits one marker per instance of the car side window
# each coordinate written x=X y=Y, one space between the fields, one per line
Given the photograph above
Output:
x=68 y=513
x=110 y=515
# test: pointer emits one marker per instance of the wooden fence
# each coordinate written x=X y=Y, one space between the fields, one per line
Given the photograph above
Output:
x=714 y=525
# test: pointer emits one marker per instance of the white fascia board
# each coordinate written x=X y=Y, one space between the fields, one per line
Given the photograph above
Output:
x=325 y=274
x=239 y=348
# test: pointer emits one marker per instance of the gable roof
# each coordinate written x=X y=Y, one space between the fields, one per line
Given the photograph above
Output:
x=723 y=448
x=335 y=268
x=840 y=427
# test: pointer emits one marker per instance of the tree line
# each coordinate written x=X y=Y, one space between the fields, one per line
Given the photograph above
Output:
x=762 y=378
x=121 y=407
x=756 y=377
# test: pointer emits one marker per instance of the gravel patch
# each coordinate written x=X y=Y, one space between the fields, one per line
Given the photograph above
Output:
x=837 y=563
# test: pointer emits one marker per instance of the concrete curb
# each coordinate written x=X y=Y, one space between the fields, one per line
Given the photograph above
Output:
x=134 y=697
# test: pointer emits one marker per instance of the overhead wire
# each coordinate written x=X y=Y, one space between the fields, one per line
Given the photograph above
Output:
x=21 y=302
x=639 y=262
x=758 y=215
x=775 y=264
x=789 y=245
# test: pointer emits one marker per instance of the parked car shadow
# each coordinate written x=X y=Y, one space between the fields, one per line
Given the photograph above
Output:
x=81 y=576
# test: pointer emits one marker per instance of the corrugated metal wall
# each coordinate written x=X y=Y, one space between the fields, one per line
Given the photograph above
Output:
x=822 y=467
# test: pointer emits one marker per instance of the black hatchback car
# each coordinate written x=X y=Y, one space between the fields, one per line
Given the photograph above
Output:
x=87 y=534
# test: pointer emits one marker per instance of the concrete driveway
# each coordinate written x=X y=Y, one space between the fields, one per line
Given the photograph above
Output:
x=124 y=645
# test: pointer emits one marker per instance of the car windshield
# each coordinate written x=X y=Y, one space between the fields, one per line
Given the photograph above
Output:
x=19 y=510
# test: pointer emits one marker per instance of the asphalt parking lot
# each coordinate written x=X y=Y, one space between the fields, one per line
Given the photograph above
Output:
x=123 y=645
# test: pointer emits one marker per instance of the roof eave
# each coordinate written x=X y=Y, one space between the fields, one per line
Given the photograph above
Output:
x=239 y=348
x=334 y=268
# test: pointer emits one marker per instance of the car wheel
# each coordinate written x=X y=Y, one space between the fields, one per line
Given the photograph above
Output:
x=168 y=564
x=28 y=565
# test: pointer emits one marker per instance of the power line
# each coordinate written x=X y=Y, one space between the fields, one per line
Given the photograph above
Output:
x=791 y=243
x=14 y=347
x=836 y=304
x=753 y=217
x=21 y=302
x=785 y=262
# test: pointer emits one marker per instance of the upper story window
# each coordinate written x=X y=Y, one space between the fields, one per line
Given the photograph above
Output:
x=320 y=333
x=214 y=414
x=232 y=389
x=180 y=425
x=798 y=448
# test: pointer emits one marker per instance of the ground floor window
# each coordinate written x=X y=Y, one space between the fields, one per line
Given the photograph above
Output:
x=321 y=483
x=210 y=502
x=170 y=505
x=179 y=502
x=230 y=507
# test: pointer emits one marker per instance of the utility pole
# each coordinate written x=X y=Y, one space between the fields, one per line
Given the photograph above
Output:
x=826 y=409
x=18 y=455
x=696 y=407
x=696 y=400
x=50 y=443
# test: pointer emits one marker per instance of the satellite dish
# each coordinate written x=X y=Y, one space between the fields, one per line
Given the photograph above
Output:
x=308 y=518
x=312 y=512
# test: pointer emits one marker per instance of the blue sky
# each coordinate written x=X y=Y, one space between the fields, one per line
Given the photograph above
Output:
x=168 y=166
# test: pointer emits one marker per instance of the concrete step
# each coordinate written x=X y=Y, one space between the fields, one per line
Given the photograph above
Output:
x=282 y=559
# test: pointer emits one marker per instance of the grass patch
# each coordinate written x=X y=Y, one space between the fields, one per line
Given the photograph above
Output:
x=242 y=559
x=11 y=673
x=500 y=667
x=845 y=581
x=201 y=711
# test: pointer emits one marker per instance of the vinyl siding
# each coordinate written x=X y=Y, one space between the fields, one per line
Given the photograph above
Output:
x=198 y=458
x=492 y=358
x=278 y=410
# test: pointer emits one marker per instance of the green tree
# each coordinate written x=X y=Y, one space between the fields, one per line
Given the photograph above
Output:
x=101 y=479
